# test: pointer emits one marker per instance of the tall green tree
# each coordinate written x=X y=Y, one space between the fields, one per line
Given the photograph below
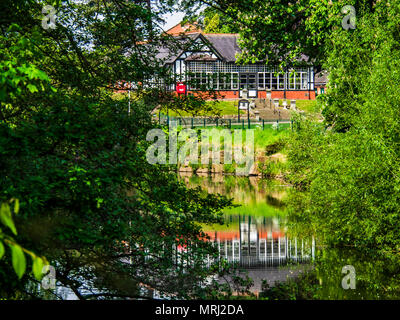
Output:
x=280 y=32
x=349 y=173
x=109 y=222
x=216 y=22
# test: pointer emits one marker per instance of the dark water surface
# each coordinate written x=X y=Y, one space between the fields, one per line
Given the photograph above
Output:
x=255 y=237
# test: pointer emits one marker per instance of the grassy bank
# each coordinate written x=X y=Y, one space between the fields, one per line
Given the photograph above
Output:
x=309 y=106
x=222 y=108
x=269 y=157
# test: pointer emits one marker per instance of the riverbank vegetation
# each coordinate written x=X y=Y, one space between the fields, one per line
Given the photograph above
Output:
x=269 y=151
x=348 y=167
x=376 y=278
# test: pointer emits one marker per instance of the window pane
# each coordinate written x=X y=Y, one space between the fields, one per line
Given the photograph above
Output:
x=281 y=84
x=228 y=81
x=209 y=81
x=291 y=80
x=268 y=80
x=243 y=81
x=274 y=85
x=304 y=79
x=235 y=81
x=252 y=81
x=215 y=81
x=261 y=81
x=297 y=81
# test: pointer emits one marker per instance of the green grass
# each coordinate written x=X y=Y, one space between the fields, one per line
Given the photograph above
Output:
x=263 y=138
x=225 y=108
x=309 y=106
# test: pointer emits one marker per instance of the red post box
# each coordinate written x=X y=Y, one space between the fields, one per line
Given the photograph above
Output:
x=181 y=88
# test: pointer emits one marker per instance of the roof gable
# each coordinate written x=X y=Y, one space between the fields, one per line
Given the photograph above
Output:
x=180 y=29
x=225 y=44
x=190 y=44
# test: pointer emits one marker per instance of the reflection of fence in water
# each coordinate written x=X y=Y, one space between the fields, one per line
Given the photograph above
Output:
x=254 y=242
x=263 y=252
x=266 y=251
x=259 y=242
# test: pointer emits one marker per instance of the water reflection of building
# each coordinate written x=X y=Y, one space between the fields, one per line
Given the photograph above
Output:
x=259 y=242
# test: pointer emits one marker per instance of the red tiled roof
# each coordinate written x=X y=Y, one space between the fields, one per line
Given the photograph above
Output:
x=183 y=29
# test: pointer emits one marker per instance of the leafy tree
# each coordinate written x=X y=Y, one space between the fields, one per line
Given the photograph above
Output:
x=110 y=223
x=213 y=24
x=17 y=252
x=280 y=32
x=212 y=20
x=350 y=175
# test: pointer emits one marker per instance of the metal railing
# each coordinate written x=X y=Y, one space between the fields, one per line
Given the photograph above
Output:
x=217 y=122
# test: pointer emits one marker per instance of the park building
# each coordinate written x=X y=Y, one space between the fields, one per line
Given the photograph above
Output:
x=208 y=62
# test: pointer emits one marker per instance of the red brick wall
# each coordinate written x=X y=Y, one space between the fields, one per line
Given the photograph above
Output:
x=298 y=95
x=222 y=94
x=229 y=94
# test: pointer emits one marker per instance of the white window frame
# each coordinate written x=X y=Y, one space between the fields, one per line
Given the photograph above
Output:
x=263 y=81
x=237 y=81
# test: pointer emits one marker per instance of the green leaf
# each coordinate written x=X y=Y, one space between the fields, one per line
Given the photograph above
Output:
x=18 y=260
x=32 y=88
x=16 y=206
x=37 y=267
x=5 y=217
x=3 y=94
x=1 y=249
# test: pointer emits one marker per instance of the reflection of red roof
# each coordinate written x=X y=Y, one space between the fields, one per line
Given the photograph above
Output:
x=277 y=235
x=232 y=235
x=263 y=234
x=224 y=235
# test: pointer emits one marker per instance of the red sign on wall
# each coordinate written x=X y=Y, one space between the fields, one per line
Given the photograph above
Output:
x=181 y=88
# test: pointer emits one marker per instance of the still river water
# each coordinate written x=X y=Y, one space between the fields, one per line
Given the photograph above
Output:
x=255 y=237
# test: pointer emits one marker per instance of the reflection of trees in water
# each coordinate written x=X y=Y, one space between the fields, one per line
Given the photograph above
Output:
x=376 y=277
x=242 y=189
